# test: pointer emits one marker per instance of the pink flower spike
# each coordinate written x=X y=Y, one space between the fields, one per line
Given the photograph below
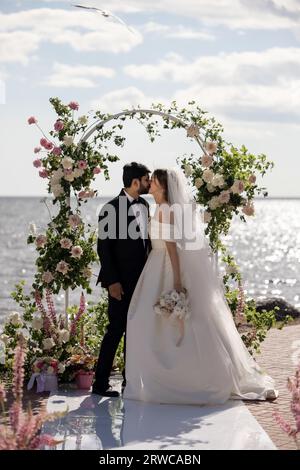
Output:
x=32 y=120
x=37 y=149
x=74 y=105
x=59 y=125
x=56 y=151
x=37 y=163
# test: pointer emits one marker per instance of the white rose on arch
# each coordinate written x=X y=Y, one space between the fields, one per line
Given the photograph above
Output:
x=48 y=343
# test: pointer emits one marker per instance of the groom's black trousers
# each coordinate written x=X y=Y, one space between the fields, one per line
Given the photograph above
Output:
x=117 y=316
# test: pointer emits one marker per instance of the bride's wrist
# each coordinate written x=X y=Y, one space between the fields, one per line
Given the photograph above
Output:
x=178 y=286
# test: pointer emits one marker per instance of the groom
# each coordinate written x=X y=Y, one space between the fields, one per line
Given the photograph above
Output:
x=123 y=248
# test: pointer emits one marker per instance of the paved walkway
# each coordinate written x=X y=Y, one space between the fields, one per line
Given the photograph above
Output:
x=277 y=353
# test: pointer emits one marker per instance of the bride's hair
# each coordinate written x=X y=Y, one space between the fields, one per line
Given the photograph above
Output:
x=162 y=177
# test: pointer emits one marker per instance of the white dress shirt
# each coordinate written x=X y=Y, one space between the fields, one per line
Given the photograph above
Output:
x=141 y=217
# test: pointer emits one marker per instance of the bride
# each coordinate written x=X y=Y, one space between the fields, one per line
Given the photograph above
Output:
x=210 y=365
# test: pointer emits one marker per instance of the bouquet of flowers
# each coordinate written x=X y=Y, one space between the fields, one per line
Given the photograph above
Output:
x=84 y=362
x=48 y=365
x=174 y=306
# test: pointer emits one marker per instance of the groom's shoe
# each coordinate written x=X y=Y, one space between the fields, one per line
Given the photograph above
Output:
x=271 y=395
x=105 y=393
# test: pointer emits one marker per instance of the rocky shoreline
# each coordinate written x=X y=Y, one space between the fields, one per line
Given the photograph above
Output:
x=284 y=308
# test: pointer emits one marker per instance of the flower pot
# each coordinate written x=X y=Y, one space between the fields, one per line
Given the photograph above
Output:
x=84 y=379
x=50 y=383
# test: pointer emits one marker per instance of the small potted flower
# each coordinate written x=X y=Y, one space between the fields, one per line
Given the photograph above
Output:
x=45 y=370
x=82 y=365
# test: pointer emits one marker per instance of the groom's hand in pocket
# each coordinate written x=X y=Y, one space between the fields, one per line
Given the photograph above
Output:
x=116 y=290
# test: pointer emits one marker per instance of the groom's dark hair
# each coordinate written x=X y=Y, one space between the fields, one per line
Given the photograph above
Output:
x=133 y=170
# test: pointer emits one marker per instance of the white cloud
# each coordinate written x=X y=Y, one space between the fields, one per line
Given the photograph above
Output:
x=21 y=33
x=179 y=31
x=17 y=46
x=234 y=14
x=79 y=76
x=249 y=85
x=268 y=66
x=125 y=98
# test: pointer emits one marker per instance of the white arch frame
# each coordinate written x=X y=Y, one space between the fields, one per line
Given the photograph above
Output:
x=101 y=123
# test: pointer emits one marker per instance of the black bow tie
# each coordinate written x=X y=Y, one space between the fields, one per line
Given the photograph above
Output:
x=136 y=201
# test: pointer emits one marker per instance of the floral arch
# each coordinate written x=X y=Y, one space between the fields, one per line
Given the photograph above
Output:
x=68 y=158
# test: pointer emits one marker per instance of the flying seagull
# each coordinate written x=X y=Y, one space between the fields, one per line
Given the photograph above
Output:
x=106 y=14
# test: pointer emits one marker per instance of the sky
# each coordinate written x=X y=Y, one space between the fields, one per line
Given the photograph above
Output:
x=238 y=59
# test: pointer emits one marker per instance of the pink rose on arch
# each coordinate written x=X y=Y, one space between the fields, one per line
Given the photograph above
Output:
x=252 y=179
x=32 y=120
x=37 y=163
x=238 y=187
x=211 y=147
x=49 y=146
x=206 y=160
x=96 y=170
x=57 y=151
x=47 y=277
x=224 y=197
x=82 y=195
x=74 y=105
x=41 y=241
x=248 y=209
x=43 y=173
x=46 y=144
x=82 y=165
x=59 y=125
x=74 y=220
x=62 y=267
x=76 y=251
x=37 y=149
x=66 y=243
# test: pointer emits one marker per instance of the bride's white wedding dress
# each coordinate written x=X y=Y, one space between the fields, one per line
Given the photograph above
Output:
x=211 y=364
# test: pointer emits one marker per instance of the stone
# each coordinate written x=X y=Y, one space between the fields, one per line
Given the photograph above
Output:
x=285 y=308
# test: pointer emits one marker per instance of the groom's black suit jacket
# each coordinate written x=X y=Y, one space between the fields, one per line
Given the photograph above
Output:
x=122 y=260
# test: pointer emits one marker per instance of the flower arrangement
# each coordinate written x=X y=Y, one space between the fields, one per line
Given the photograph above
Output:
x=50 y=338
x=174 y=306
x=66 y=250
x=63 y=159
x=23 y=430
x=65 y=254
x=82 y=362
x=293 y=385
x=225 y=181
x=48 y=365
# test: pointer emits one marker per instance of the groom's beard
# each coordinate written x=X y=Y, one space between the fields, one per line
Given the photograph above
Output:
x=144 y=190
